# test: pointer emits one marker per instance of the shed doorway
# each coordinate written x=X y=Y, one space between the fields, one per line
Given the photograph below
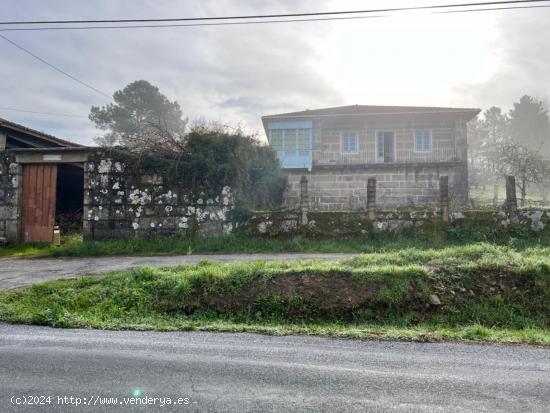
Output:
x=52 y=195
x=70 y=198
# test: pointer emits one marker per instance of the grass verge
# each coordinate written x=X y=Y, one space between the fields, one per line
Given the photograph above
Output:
x=487 y=293
x=74 y=246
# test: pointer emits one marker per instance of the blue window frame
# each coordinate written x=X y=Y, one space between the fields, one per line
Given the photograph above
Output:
x=422 y=140
x=293 y=142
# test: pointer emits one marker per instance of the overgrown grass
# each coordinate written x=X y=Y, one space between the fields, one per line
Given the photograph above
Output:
x=488 y=293
x=74 y=246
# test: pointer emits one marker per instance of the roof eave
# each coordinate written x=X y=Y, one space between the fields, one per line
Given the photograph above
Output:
x=37 y=134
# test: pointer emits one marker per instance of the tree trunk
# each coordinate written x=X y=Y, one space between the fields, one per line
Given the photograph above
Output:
x=495 y=193
x=523 y=191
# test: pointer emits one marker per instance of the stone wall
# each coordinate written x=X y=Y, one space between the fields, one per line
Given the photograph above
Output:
x=345 y=188
x=448 y=139
x=356 y=224
x=119 y=203
x=10 y=197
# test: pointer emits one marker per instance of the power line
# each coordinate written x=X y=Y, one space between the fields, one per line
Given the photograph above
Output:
x=65 y=115
x=240 y=23
x=156 y=26
x=446 y=6
x=533 y=6
x=54 y=67
x=271 y=16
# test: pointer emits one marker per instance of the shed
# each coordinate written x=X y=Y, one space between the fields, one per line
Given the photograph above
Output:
x=41 y=183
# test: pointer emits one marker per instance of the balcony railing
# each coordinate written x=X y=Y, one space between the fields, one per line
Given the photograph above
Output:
x=401 y=156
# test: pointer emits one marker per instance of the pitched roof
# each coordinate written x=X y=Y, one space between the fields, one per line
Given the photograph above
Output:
x=38 y=134
x=371 y=110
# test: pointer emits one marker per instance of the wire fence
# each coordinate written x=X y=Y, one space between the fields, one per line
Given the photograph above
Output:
x=491 y=196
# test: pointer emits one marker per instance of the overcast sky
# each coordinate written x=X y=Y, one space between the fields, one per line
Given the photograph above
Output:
x=236 y=74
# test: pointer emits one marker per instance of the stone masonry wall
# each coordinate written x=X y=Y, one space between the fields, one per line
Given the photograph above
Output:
x=448 y=139
x=345 y=188
x=119 y=204
x=340 y=225
x=10 y=197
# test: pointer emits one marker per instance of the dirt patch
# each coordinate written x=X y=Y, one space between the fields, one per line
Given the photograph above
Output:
x=325 y=291
x=322 y=294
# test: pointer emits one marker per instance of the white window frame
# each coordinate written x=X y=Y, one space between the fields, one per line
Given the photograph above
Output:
x=430 y=136
x=270 y=139
x=342 y=134
x=288 y=149
x=376 y=132
x=296 y=147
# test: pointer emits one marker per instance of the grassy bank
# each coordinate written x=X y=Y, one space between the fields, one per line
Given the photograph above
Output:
x=74 y=246
x=486 y=293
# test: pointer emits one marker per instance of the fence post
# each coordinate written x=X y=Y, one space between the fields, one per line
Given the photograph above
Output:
x=444 y=197
x=304 y=200
x=371 y=199
x=511 y=199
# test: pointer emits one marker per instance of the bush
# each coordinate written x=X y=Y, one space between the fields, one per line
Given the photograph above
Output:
x=212 y=158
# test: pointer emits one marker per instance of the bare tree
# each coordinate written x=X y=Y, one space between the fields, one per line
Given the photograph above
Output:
x=528 y=166
x=487 y=135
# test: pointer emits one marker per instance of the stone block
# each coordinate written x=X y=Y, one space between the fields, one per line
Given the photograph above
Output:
x=12 y=231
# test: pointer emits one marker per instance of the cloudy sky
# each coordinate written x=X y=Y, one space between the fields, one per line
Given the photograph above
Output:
x=236 y=74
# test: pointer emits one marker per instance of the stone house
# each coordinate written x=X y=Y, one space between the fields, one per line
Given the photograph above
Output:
x=405 y=148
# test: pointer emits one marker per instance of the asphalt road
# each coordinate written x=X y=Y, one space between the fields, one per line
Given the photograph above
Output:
x=253 y=373
x=18 y=272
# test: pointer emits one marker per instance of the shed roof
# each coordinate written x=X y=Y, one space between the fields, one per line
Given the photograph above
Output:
x=47 y=139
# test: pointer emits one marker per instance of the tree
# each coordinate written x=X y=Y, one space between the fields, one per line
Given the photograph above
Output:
x=140 y=118
x=496 y=126
x=487 y=135
x=218 y=155
x=528 y=166
x=530 y=125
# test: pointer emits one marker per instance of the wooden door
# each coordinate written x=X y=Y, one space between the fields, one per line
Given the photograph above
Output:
x=38 y=207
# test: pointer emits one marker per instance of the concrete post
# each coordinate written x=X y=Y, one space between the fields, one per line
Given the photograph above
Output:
x=511 y=198
x=304 y=200
x=444 y=197
x=371 y=199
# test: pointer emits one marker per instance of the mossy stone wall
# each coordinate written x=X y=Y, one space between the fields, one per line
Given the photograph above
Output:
x=465 y=224
x=10 y=198
x=122 y=200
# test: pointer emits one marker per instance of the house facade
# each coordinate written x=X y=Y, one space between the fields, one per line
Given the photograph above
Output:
x=406 y=148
